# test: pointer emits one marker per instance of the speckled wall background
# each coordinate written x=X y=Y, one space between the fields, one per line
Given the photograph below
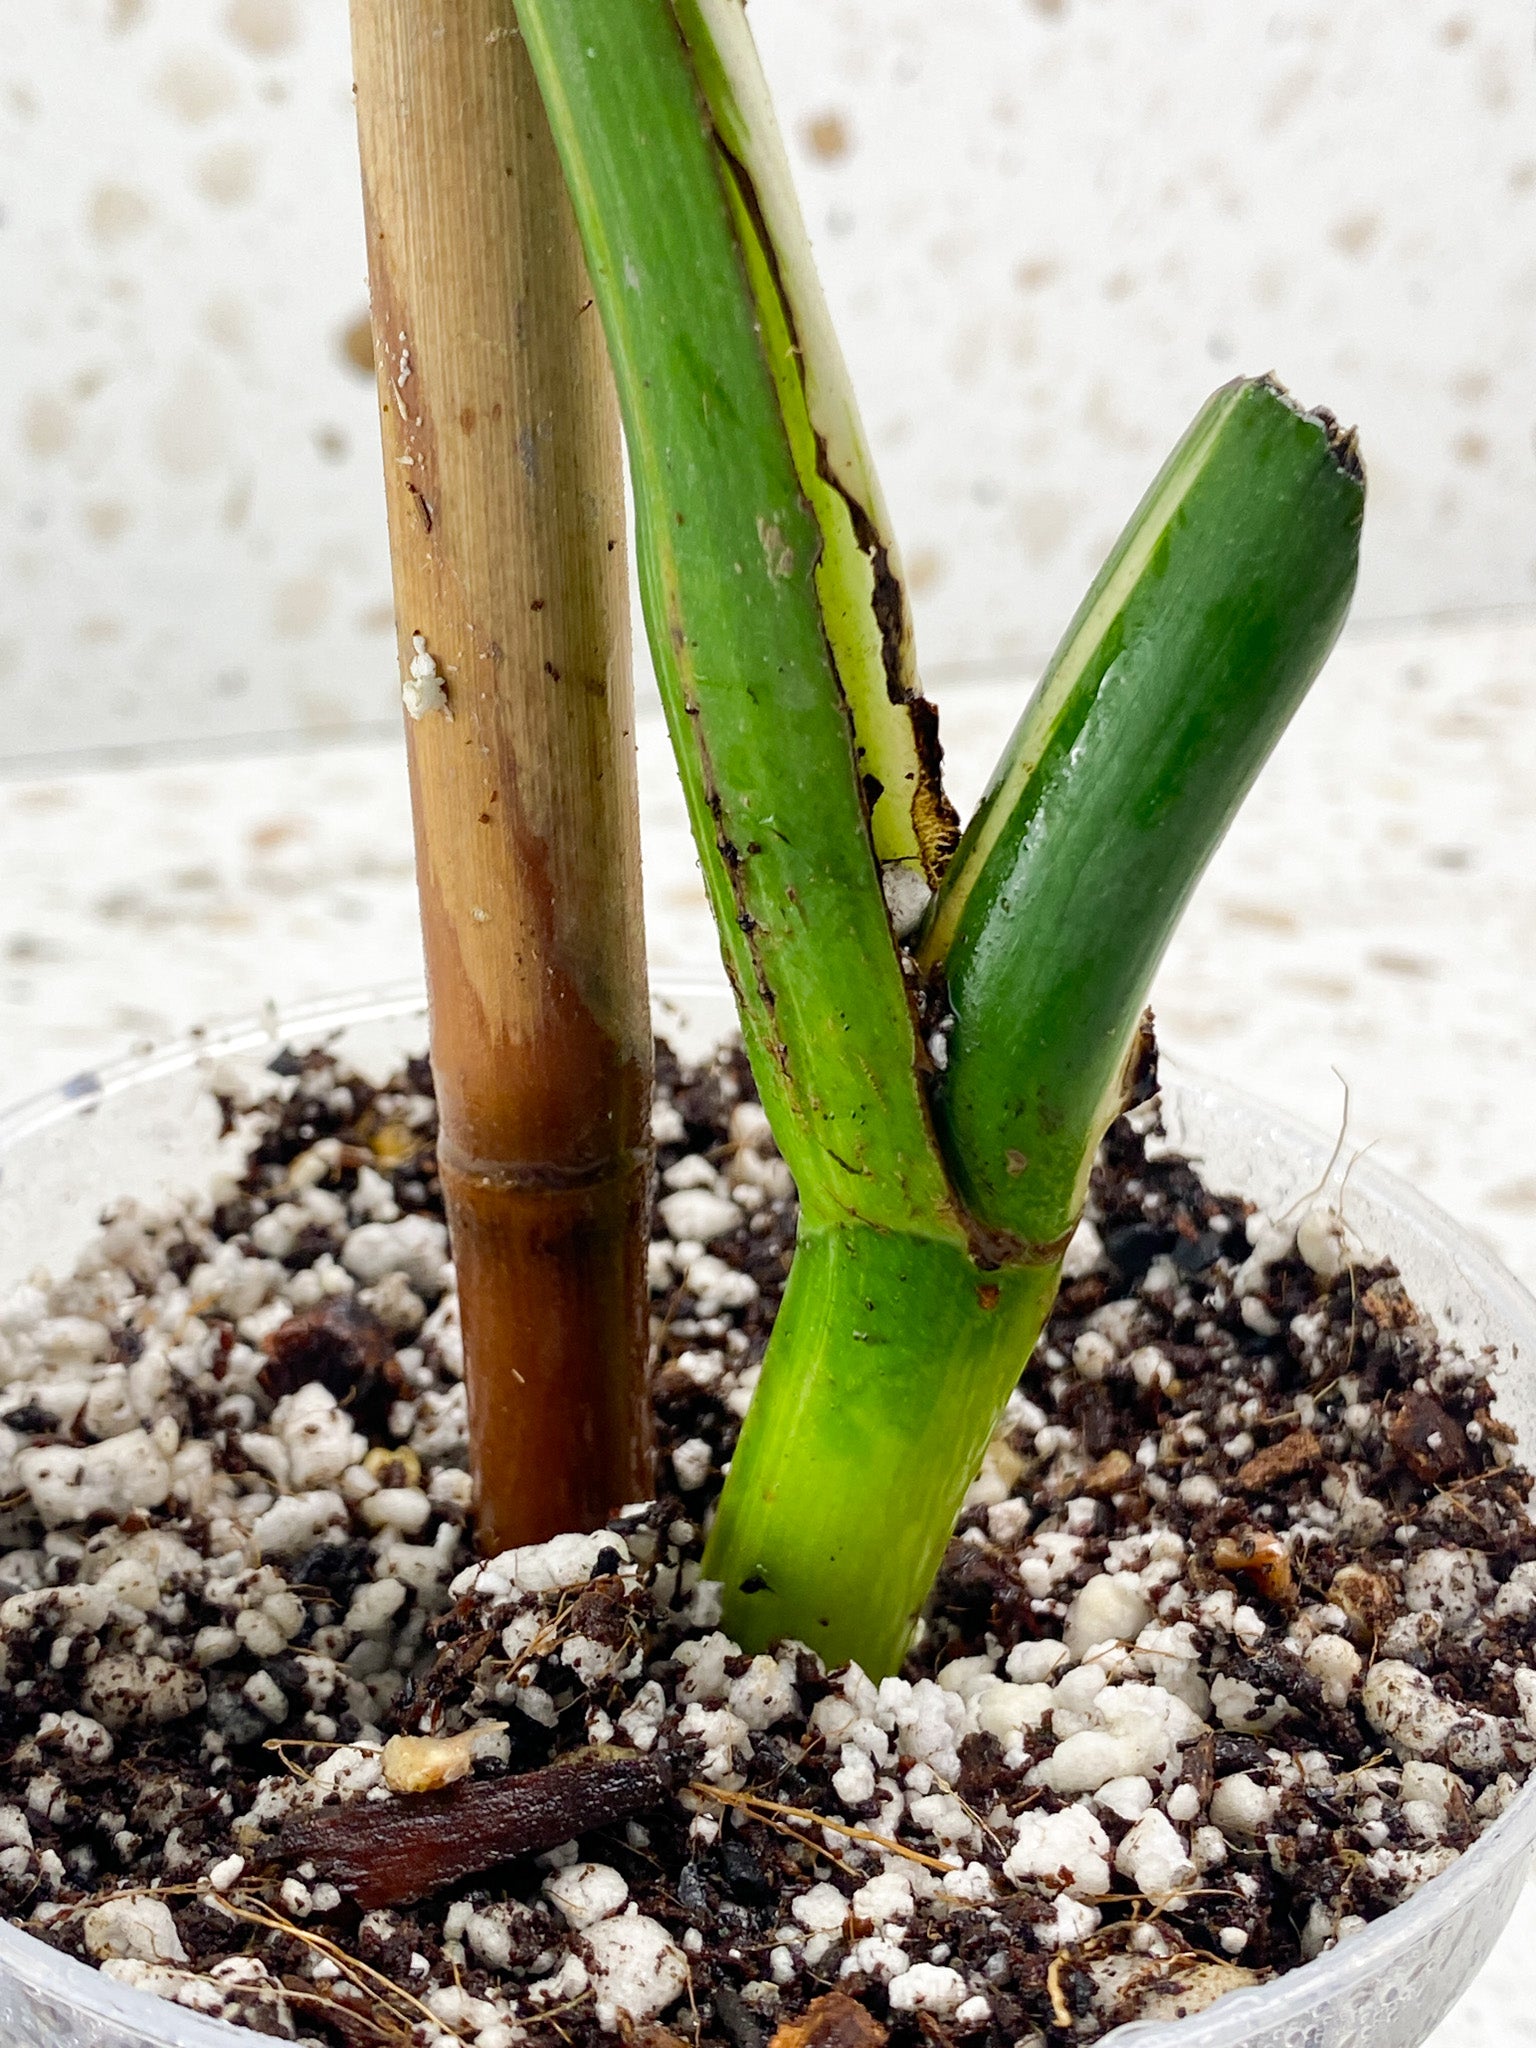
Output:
x=1048 y=227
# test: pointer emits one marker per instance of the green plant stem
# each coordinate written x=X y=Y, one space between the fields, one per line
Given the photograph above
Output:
x=921 y=1279
x=1201 y=636
x=890 y=1360
x=728 y=549
x=859 y=583
x=1182 y=668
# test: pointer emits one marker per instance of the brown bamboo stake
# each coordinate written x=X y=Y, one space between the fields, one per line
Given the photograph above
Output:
x=506 y=521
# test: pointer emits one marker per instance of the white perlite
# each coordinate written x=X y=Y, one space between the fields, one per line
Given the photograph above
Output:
x=124 y=1691
x=318 y=1437
x=138 y=1928
x=1402 y=1705
x=1132 y=1729
x=692 y=1461
x=421 y=689
x=1453 y=1585
x=1154 y=1858
x=1139 y=1656
x=585 y=1893
x=1336 y=1665
x=1322 y=1241
x=907 y=896
x=762 y=1695
x=538 y=1567
x=928 y=1987
x=1242 y=1808
x=884 y=1898
x=635 y=1967
x=1069 y=1848
x=698 y=1214
x=1110 y=1608
x=416 y=1246
x=821 y=1910
x=111 y=1478
x=1126 y=1798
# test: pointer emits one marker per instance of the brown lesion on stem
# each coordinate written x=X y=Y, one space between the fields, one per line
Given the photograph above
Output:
x=525 y=805
x=935 y=821
x=934 y=818
x=733 y=863
x=1343 y=442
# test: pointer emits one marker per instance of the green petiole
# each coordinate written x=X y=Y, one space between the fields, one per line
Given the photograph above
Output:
x=729 y=552
x=1182 y=668
x=934 y=1205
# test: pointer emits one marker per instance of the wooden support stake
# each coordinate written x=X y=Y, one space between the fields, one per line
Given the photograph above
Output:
x=506 y=521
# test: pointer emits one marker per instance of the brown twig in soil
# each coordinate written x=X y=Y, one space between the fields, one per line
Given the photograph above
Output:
x=1115 y=1933
x=543 y=1645
x=1306 y=1200
x=401 y=2034
x=763 y=1808
x=1167 y=1905
x=1157 y=1966
x=974 y=1817
x=282 y=1742
x=818 y=1849
x=239 y=1906
x=552 y=2017
x=1371 y=1763
x=1354 y=1321
x=129 y=1891
x=1355 y=1159
x=386 y=1854
x=693 y=2003
x=1452 y=1489
x=663 y=1357
x=358 y=1973
x=1105 y=1650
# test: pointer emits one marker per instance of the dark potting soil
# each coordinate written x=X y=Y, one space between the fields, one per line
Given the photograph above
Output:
x=1228 y=1655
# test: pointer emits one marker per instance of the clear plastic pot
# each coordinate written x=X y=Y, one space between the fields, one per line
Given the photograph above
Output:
x=148 y=1128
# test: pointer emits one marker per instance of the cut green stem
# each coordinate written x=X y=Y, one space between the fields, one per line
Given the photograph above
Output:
x=1187 y=659
x=728 y=550
x=928 y=1255
x=890 y=1361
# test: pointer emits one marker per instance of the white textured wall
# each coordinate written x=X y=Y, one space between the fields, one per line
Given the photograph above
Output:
x=189 y=492
x=1048 y=227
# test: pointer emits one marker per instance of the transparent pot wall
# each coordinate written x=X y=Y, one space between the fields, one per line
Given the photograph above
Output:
x=151 y=1130
x=1047 y=228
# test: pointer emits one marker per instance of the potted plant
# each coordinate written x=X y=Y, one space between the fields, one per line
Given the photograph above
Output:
x=936 y=1074
x=1182 y=1630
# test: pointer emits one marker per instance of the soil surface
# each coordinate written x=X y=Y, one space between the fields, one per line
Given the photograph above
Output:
x=1229 y=1654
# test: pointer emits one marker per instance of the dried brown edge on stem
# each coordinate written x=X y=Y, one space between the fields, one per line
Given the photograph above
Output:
x=504 y=490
